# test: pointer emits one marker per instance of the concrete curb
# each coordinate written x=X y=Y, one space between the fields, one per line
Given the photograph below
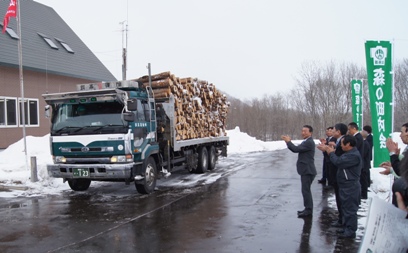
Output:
x=13 y=187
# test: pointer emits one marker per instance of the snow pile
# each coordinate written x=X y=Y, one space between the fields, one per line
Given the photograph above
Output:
x=12 y=160
x=243 y=143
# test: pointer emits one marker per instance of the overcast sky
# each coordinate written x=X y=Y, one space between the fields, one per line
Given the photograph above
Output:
x=247 y=48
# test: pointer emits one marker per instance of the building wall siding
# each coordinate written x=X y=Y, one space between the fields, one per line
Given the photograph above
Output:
x=35 y=84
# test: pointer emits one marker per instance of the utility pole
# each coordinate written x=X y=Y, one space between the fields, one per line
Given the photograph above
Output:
x=124 y=48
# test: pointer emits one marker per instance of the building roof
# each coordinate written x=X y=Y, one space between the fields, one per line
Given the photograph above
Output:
x=67 y=55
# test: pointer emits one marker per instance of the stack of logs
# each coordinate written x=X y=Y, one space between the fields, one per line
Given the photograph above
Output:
x=200 y=109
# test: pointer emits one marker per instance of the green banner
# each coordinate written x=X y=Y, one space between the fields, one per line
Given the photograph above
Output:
x=379 y=73
x=357 y=101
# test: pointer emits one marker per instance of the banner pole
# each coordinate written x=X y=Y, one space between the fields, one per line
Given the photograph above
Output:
x=393 y=88
x=362 y=105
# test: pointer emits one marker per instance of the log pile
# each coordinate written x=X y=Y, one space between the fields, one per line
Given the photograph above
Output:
x=200 y=109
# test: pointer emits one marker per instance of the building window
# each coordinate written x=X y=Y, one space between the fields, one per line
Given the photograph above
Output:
x=8 y=112
x=49 y=41
x=30 y=112
x=11 y=32
x=65 y=45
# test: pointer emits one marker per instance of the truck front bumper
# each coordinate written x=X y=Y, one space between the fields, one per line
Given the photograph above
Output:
x=96 y=171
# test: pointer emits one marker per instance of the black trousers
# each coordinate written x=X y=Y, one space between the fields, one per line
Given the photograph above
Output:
x=364 y=182
x=306 y=181
x=338 y=202
x=331 y=173
x=350 y=197
x=324 y=169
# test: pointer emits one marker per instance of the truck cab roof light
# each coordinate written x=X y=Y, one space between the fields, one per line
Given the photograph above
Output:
x=108 y=85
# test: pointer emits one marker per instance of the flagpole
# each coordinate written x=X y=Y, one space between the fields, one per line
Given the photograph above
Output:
x=20 y=63
x=393 y=87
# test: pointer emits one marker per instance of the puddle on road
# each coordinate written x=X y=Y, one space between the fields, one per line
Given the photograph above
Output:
x=12 y=237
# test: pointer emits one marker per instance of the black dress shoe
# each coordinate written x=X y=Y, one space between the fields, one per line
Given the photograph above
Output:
x=301 y=211
x=322 y=181
x=305 y=214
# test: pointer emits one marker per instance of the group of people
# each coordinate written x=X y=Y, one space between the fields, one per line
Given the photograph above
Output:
x=364 y=144
x=346 y=167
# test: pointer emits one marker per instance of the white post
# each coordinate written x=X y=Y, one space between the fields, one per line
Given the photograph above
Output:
x=34 y=177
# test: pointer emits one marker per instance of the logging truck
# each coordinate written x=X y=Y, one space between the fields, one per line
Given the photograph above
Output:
x=120 y=131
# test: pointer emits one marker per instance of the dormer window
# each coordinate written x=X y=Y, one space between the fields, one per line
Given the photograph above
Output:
x=11 y=32
x=49 y=41
x=65 y=45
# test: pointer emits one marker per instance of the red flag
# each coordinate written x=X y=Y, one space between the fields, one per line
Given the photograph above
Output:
x=11 y=12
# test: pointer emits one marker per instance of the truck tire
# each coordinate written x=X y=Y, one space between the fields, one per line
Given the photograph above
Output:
x=202 y=160
x=80 y=184
x=148 y=183
x=212 y=157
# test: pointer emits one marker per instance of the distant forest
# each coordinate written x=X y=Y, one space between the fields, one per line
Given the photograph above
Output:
x=321 y=98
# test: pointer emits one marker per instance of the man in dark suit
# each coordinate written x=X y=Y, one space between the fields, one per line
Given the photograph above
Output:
x=353 y=130
x=369 y=138
x=339 y=131
x=326 y=160
x=365 y=170
x=305 y=166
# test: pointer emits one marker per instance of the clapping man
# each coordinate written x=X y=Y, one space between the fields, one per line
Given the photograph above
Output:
x=326 y=160
x=349 y=167
x=339 y=131
x=305 y=166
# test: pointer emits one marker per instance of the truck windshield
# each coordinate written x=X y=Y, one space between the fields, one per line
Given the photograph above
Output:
x=88 y=118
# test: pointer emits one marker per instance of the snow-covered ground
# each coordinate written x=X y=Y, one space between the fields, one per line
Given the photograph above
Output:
x=15 y=171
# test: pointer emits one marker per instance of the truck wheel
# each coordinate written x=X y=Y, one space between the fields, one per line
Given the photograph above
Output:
x=212 y=157
x=148 y=183
x=202 y=160
x=80 y=184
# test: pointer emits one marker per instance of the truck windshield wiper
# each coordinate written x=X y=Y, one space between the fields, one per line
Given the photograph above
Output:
x=84 y=127
x=64 y=128
x=110 y=125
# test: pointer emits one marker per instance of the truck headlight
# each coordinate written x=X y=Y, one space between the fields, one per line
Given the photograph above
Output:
x=121 y=158
x=60 y=159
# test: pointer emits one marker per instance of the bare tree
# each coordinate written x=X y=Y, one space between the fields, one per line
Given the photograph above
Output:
x=321 y=98
x=400 y=94
x=324 y=92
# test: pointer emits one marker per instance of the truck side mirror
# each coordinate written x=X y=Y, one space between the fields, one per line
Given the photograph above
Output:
x=129 y=116
x=132 y=105
x=47 y=111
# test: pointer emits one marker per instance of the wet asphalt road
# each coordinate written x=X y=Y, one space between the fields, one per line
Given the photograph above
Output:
x=251 y=208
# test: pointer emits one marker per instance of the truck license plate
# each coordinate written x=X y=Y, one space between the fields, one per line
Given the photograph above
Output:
x=80 y=172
